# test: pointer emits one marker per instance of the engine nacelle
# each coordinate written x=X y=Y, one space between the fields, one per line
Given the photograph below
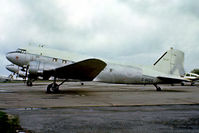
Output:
x=36 y=67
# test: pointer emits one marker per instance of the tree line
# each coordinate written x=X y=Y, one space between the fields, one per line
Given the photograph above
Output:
x=196 y=71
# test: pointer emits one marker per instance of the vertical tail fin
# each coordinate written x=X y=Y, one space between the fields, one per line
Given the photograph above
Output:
x=171 y=62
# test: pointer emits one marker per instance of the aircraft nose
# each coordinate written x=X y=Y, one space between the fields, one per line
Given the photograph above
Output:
x=8 y=67
x=13 y=57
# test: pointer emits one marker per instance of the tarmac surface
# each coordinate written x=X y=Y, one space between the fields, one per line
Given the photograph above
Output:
x=99 y=107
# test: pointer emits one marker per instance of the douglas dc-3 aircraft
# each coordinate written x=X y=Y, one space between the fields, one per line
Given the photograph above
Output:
x=167 y=69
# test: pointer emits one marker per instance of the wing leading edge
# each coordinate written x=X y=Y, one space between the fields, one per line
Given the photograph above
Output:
x=85 y=70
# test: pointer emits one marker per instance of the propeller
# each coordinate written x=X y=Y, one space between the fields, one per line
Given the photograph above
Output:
x=17 y=72
x=11 y=77
x=26 y=74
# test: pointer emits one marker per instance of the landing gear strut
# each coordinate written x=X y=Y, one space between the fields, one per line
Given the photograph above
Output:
x=157 y=87
x=54 y=87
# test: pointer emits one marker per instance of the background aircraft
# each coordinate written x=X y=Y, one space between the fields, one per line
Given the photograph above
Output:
x=167 y=69
x=5 y=79
x=192 y=77
x=19 y=71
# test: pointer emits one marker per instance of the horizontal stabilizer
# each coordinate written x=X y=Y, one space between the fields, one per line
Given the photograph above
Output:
x=85 y=70
x=172 y=79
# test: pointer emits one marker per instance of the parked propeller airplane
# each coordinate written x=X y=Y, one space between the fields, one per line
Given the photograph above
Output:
x=192 y=77
x=5 y=79
x=167 y=69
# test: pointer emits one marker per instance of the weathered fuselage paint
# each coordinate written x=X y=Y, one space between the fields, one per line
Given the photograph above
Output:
x=123 y=74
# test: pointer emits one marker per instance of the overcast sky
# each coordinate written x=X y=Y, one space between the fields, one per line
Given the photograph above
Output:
x=137 y=31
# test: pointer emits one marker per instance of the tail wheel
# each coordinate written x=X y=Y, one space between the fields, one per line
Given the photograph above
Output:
x=157 y=87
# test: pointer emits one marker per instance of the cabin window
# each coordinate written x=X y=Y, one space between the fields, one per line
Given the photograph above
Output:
x=194 y=76
x=54 y=59
x=64 y=61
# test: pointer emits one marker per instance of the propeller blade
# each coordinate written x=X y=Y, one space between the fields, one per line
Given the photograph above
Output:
x=26 y=74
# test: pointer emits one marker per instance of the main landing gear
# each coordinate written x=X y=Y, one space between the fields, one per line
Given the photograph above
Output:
x=54 y=87
x=157 y=87
x=29 y=82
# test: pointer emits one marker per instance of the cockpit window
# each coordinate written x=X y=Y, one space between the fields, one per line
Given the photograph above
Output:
x=18 y=51
x=14 y=52
x=21 y=50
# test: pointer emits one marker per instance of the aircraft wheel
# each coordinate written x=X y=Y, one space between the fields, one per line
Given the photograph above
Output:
x=158 y=88
x=52 y=88
x=29 y=83
x=182 y=84
x=49 y=88
x=192 y=83
x=55 y=88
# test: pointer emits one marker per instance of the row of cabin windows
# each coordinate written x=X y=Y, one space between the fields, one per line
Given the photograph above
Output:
x=63 y=61
x=191 y=75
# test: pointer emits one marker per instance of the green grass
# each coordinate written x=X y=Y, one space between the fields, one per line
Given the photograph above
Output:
x=9 y=123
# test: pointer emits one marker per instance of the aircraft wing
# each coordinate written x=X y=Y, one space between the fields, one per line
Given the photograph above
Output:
x=194 y=79
x=85 y=70
x=172 y=79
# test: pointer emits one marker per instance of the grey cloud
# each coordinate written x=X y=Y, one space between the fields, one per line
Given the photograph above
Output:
x=125 y=29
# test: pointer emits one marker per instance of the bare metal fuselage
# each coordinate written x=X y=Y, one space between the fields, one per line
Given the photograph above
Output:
x=112 y=73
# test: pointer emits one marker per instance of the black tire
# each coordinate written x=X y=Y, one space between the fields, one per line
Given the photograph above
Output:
x=55 y=88
x=29 y=83
x=52 y=88
x=49 y=88
x=158 y=88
